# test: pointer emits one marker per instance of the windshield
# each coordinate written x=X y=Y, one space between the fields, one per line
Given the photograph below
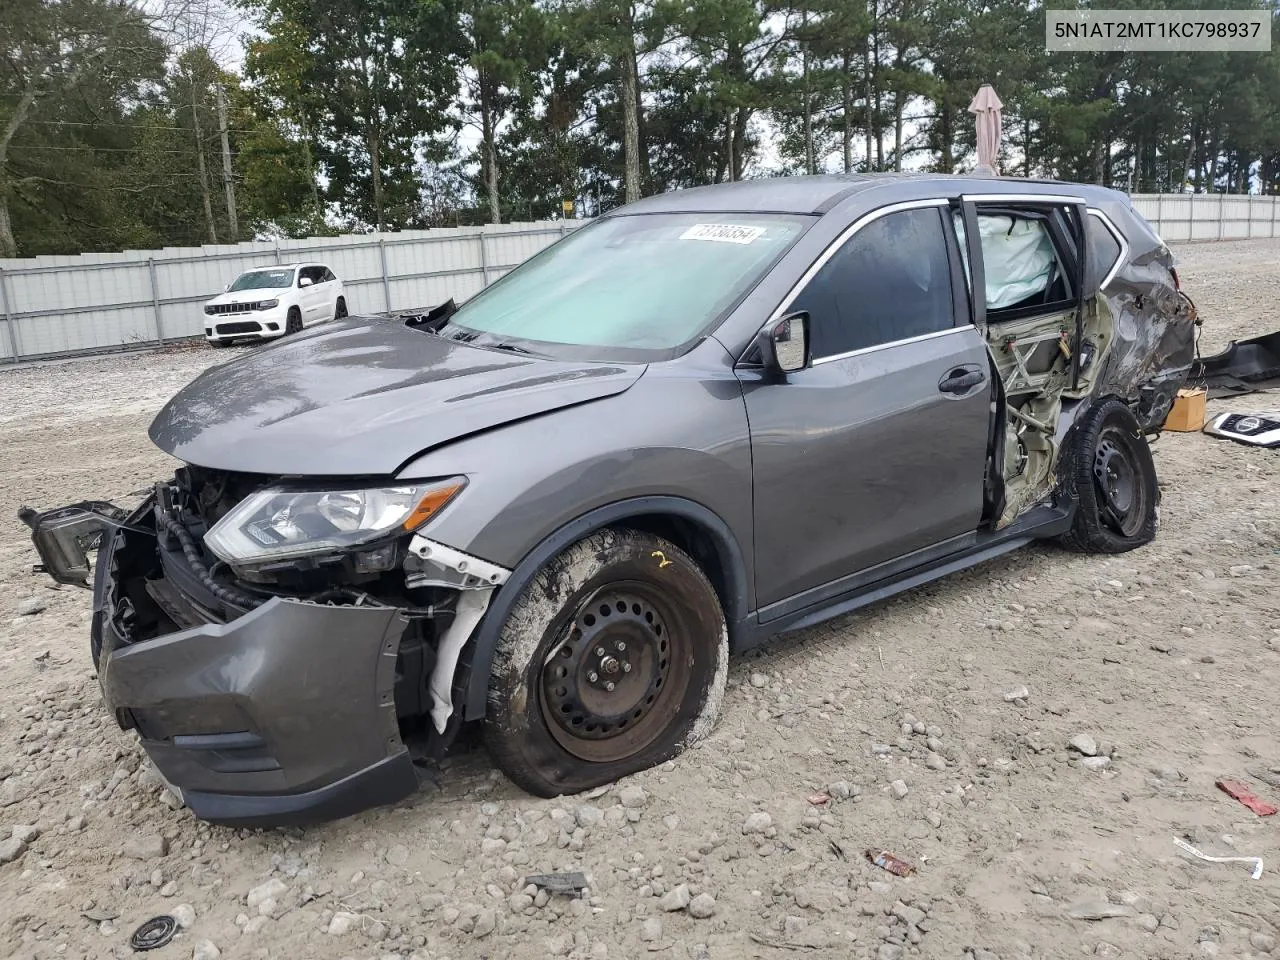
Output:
x=263 y=280
x=635 y=287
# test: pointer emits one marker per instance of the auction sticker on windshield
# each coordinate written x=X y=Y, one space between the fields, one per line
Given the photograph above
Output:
x=723 y=232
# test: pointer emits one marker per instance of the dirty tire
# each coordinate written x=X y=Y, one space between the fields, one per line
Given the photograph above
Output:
x=220 y=344
x=1113 y=475
x=340 y=309
x=622 y=607
x=293 y=323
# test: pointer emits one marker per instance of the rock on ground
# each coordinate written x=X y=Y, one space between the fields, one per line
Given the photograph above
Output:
x=147 y=846
x=675 y=899
x=702 y=906
x=1084 y=744
x=12 y=849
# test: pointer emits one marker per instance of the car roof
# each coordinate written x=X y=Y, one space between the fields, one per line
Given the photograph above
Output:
x=286 y=266
x=819 y=193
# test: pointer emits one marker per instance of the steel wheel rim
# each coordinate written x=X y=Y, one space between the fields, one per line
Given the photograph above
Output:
x=612 y=681
x=1121 y=500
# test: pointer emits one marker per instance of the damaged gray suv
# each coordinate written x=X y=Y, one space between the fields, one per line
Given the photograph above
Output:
x=707 y=418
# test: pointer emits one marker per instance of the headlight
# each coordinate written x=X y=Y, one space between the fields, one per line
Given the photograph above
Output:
x=209 y=310
x=278 y=524
x=266 y=304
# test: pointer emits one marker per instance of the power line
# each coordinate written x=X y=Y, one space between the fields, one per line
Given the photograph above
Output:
x=127 y=126
x=143 y=149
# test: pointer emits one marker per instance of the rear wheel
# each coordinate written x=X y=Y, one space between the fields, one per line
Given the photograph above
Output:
x=1114 y=478
x=340 y=310
x=612 y=660
x=294 y=322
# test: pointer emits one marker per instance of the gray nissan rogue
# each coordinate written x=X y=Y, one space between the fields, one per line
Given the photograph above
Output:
x=707 y=418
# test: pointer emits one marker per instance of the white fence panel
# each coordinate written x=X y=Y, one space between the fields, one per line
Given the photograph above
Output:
x=54 y=306
x=1180 y=217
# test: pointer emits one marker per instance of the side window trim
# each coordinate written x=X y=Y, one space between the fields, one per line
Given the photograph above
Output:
x=1119 y=238
x=830 y=251
x=920 y=338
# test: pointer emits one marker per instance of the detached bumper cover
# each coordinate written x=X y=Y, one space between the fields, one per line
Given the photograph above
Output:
x=284 y=715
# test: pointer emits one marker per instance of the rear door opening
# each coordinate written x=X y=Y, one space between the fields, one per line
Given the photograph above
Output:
x=1045 y=333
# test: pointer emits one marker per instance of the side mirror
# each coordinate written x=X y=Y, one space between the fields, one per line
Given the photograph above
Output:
x=305 y=282
x=784 y=344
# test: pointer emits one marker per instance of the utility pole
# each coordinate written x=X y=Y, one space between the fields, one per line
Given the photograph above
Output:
x=200 y=165
x=227 y=180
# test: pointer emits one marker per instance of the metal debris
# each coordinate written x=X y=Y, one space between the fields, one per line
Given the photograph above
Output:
x=569 y=884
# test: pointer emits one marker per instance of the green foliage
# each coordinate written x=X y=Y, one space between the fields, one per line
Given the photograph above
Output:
x=371 y=82
x=385 y=114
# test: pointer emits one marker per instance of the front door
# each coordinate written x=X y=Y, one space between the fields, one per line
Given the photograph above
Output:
x=313 y=295
x=878 y=448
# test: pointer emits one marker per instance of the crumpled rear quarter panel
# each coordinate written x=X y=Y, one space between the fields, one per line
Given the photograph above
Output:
x=1154 y=324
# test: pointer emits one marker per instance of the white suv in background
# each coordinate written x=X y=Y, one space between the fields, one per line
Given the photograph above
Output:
x=270 y=302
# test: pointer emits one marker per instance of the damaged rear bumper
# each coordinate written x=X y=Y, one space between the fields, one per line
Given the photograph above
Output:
x=283 y=715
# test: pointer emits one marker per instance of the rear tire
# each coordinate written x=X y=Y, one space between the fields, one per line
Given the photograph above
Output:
x=612 y=660
x=293 y=324
x=340 y=309
x=1110 y=470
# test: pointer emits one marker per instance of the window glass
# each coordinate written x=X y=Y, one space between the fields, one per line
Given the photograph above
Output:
x=328 y=276
x=627 y=283
x=263 y=280
x=314 y=274
x=1104 y=248
x=890 y=281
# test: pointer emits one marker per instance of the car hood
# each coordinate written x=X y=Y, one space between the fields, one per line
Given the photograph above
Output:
x=362 y=396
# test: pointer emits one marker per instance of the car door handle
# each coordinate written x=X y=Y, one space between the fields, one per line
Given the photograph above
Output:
x=961 y=381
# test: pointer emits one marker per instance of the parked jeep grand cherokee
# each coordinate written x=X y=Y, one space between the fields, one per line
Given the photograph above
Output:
x=273 y=302
x=707 y=418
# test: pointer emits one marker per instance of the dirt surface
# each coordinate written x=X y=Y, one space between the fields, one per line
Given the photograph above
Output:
x=1167 y=658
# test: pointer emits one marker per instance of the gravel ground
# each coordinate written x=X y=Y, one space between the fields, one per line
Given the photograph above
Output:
x=938 y=724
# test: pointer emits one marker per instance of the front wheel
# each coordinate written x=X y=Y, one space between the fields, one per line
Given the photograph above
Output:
x=613 y=659
x=293 y=323
x=1114 y=478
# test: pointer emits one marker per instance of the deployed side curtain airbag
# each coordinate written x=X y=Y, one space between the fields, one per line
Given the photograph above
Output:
x=1017 y=257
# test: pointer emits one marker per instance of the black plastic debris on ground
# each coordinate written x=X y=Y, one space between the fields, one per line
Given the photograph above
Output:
x=1245 y=366
x=153 y=934
x=569 y=884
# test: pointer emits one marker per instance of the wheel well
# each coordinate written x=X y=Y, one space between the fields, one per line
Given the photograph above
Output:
x=697 y=542
x=691 y=527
